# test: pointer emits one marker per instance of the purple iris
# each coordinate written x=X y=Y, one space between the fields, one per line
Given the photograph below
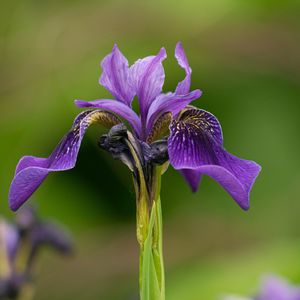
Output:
x=193 y=137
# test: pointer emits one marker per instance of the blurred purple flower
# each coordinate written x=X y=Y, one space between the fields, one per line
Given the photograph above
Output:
x=21 y=244
x=40 y=233
x=272 y=288
x=26 y=219
x=276 y=288
x=194 y=142
x=10 y=287
x=9 y=240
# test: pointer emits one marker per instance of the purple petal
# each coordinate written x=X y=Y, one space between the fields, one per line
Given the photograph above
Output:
x=195 y=143
x=169 y=103
x=115 y=76
x=275 y=288
x=116 y=107
x=32 y=171
x=193 y=177
x=147 y=77
x=183 y=87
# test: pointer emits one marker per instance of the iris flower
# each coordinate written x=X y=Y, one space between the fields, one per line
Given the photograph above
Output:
x=166 y=131
x=194 y=136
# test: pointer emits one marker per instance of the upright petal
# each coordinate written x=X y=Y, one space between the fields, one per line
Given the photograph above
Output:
x=183 y=87
x=170 y=102
x=116 y=107
x=32 y=171
x=195 y=143
x=147 y=77
x=115 y=76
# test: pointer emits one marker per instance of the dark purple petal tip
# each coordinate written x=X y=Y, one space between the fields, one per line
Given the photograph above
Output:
x=239 y=188
x=193 y=178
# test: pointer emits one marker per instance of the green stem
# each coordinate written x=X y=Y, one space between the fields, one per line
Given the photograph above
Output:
x=152 y=277
x=149 y=225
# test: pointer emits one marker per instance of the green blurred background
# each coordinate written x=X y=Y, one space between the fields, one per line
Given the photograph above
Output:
x=245 y=57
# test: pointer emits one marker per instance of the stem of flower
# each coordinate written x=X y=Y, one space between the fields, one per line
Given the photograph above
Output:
x=152 y=277
x=147 y=182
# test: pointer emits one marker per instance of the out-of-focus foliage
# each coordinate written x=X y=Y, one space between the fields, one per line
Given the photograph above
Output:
x=245 y=57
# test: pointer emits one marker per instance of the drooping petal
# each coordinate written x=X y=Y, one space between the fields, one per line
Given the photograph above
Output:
x=147 y=77
x=195 y=143
x=32 y=171
x=115 y=76
x=183 y=87
x=116 y=107
x=169 y=102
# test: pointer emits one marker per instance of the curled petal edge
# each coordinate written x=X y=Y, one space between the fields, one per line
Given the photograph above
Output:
x=116 y=107
x=183 y=86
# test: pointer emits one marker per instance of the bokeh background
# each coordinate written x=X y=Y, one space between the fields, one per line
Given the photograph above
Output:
x=245 y=57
